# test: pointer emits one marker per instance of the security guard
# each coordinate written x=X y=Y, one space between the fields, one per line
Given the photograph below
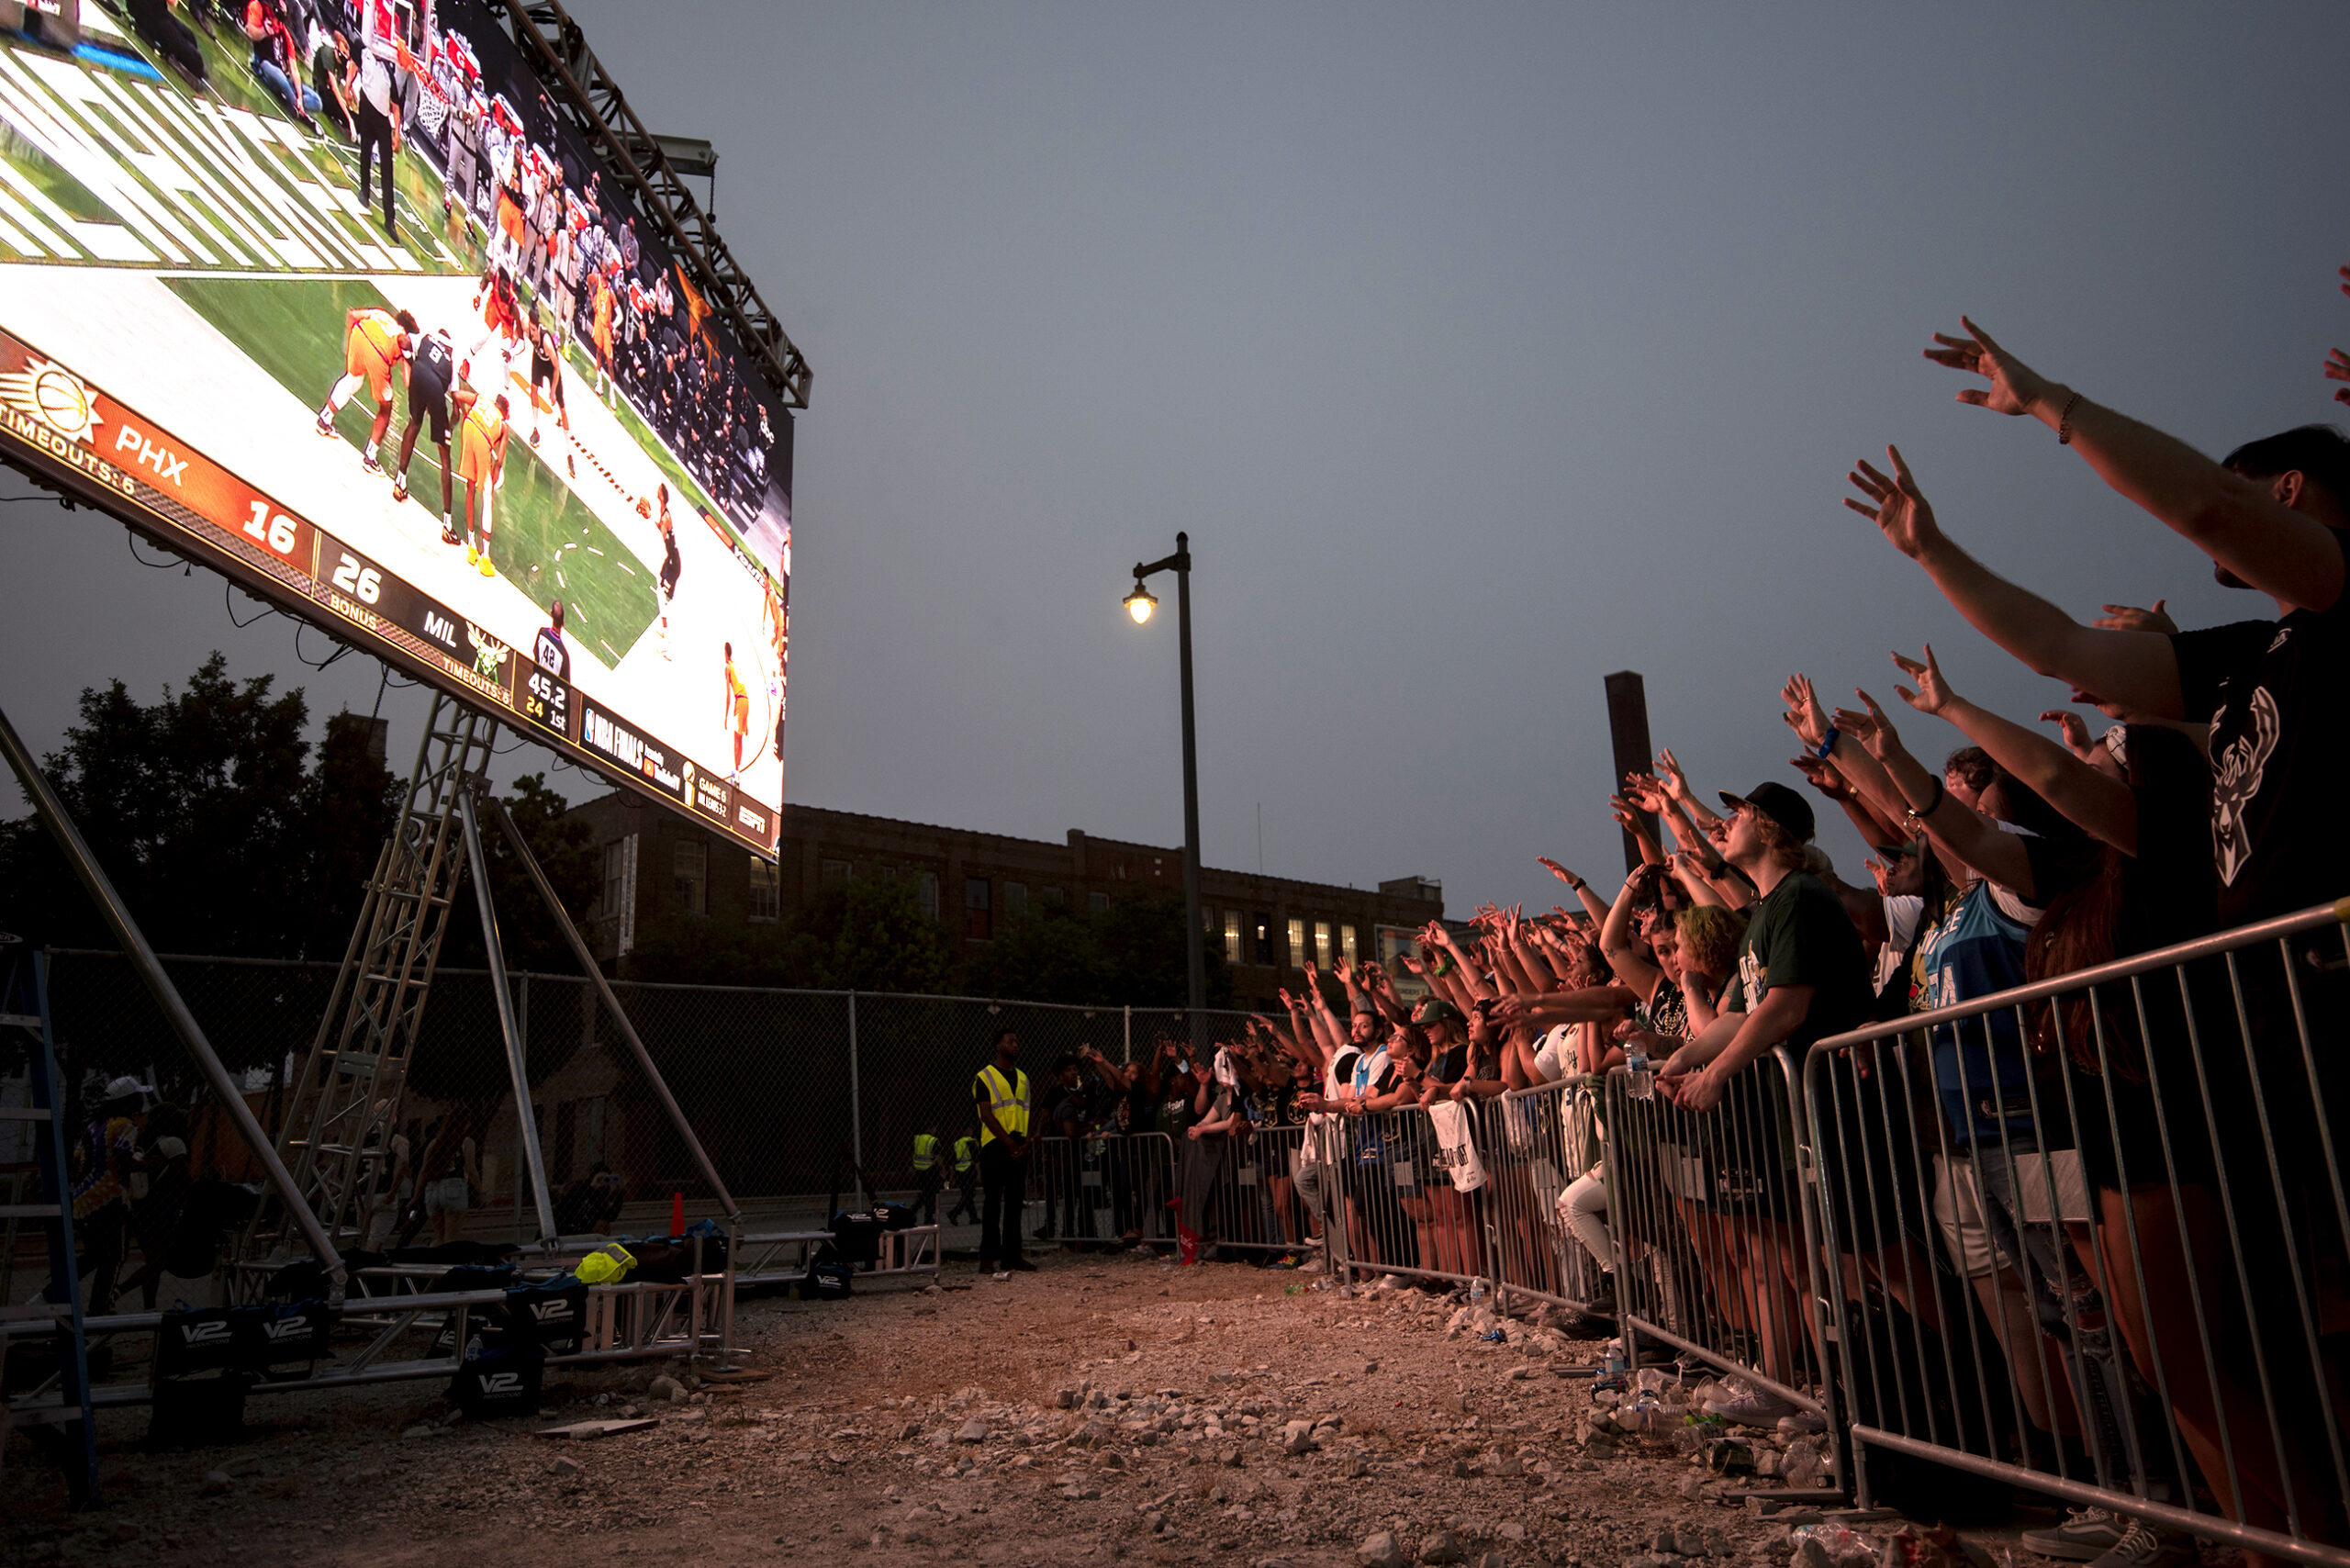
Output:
x=967 y=1178
x=929 y=1173
x=1000 y=1094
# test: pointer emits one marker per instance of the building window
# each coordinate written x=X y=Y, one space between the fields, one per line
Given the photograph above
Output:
x=832 y=871
x=689 y=869
x=926 y=895
x=1297 y=944
x=1052 y=896
x=1015 y=896
x=1231 y=935
x=767 y=890
x=1347 y=942
x=1098 y=902
x=1321 y=943
x=1264 y=924
x=978 y=922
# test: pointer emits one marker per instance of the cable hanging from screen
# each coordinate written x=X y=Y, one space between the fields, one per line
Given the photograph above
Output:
x=341 y=648
x=230 y=605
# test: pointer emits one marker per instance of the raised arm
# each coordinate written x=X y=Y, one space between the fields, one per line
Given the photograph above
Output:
x=1970 y=835
x=2097 y=802
x=2137 y=669
x=2247 y=526
x=1624 y=956
x=1590 y=900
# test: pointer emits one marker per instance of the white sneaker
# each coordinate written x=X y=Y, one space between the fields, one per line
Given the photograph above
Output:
x=2088 y=1534
x=2148 y=1546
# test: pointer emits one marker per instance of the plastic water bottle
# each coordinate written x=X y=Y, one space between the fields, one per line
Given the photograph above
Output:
x=1640 y=1082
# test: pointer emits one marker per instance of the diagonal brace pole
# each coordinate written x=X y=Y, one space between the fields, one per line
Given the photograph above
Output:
x=101 y=888
x=517 y=1065
x=604 y=989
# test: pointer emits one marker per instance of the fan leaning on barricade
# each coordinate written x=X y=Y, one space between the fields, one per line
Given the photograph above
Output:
x=2270 y=517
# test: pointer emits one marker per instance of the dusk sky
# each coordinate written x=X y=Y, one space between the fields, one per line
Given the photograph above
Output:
x=1481 y=350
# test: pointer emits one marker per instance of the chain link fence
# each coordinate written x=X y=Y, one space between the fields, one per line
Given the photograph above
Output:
x=790 y=1092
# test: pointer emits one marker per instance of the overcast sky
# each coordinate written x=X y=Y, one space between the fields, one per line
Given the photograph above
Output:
x=1481 y=350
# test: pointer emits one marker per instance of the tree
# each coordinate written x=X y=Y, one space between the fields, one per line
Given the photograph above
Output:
x=863 y=936
x=204 y=813
x=1131 y=954
x=564 y=848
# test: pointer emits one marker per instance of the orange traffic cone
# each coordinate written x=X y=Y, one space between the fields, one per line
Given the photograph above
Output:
x=677 y=1214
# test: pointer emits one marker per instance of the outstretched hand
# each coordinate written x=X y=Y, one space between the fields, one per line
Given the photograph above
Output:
x=1822 y=777
x=2077 y=733
x=2337 y=364
x=1870 y=729
x=1899 y=508
x=1668 y=771
x=1933 y=694
x=2130 y=618
x=2014 y=386
x=1556 y=869
x=1804 y=714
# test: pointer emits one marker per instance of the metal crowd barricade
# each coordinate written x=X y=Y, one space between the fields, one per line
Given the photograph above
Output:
x=1537 y=1144
x=1100 y=1188
x=1257 y=1206
x=1394 y=1211
x=2093 y=1235
x=1713 y=1233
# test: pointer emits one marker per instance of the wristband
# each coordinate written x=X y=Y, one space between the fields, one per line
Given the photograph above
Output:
x=1828 y=746
x=1918 y=814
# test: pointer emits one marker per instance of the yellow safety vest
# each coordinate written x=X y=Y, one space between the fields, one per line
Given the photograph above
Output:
x=925 y=1152
x=1008 y=1101
x=967 y=1153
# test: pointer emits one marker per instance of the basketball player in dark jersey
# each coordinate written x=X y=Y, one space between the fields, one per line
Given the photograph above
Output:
x=430 y=374
x=671 y=564
x=549 y=652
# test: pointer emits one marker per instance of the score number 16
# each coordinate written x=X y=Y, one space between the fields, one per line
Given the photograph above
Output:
x=278 y=532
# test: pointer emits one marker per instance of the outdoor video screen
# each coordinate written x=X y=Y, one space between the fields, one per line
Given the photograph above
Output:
x=485 y=426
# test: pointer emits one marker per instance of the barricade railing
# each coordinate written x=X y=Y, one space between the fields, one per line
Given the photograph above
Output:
x=1393 y=1208
x=2091 y=1235
x=1714 y=1232
x=1100 y=1188
x=1540 y=1146
x=1254 y=1204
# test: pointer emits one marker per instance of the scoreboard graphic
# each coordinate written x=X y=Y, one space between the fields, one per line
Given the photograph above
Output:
x=480 y=424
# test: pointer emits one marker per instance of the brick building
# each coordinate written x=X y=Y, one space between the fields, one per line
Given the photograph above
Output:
x=655 y=861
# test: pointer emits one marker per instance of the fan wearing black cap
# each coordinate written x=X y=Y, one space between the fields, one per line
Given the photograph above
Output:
x=1801 y=972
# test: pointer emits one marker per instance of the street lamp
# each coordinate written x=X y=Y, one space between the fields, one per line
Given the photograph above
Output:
x=1140 y=604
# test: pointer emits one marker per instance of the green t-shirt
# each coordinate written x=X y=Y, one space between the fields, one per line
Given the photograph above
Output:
x=1799 y=935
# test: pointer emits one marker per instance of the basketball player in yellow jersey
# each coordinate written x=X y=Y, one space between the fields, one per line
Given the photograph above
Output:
x=481 y=463
x=374 y=341
x=738 y=711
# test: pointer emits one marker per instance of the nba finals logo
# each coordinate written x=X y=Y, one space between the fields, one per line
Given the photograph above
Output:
x=54 y=396
x=688 y=789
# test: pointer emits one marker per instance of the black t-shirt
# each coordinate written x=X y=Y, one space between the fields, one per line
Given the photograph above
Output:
x=1799 y=935
x=2272 y=690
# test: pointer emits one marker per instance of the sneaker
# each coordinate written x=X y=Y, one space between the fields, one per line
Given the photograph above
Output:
x=486 y=570
x=326 y=427
x=473 y=556
x=1021 y=1265
x=369 y=465
x=534 y=438
x=448 y=534
x=1755 y=1408
x=2150 y=1546
x=568 y=464
x=1602 y=1300
x=400 y=486
x=2088 y=1534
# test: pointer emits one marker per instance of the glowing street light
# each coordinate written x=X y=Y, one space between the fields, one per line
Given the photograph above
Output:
x=1140 y=604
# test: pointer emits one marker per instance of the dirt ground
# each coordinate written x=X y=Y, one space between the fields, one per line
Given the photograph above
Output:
x=1102 y=1409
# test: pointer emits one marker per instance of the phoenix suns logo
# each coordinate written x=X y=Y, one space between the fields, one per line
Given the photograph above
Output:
x=54 y=396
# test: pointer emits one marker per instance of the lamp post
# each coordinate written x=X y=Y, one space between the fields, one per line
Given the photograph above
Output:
x=1140 y=604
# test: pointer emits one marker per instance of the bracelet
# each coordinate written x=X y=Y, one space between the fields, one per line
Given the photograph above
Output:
x=1828 y=746
x=1578 y=884
x=1918 y=814
x=2064 y=421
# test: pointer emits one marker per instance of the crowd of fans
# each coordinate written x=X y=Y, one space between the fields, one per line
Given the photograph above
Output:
x=2202 y=1272
x=383 y=74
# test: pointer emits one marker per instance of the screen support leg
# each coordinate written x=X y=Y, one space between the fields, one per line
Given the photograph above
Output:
x=595 y=974
x=150 y=970
x=515 y=1064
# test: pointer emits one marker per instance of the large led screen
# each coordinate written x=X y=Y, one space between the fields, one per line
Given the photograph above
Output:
x=216 y=323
